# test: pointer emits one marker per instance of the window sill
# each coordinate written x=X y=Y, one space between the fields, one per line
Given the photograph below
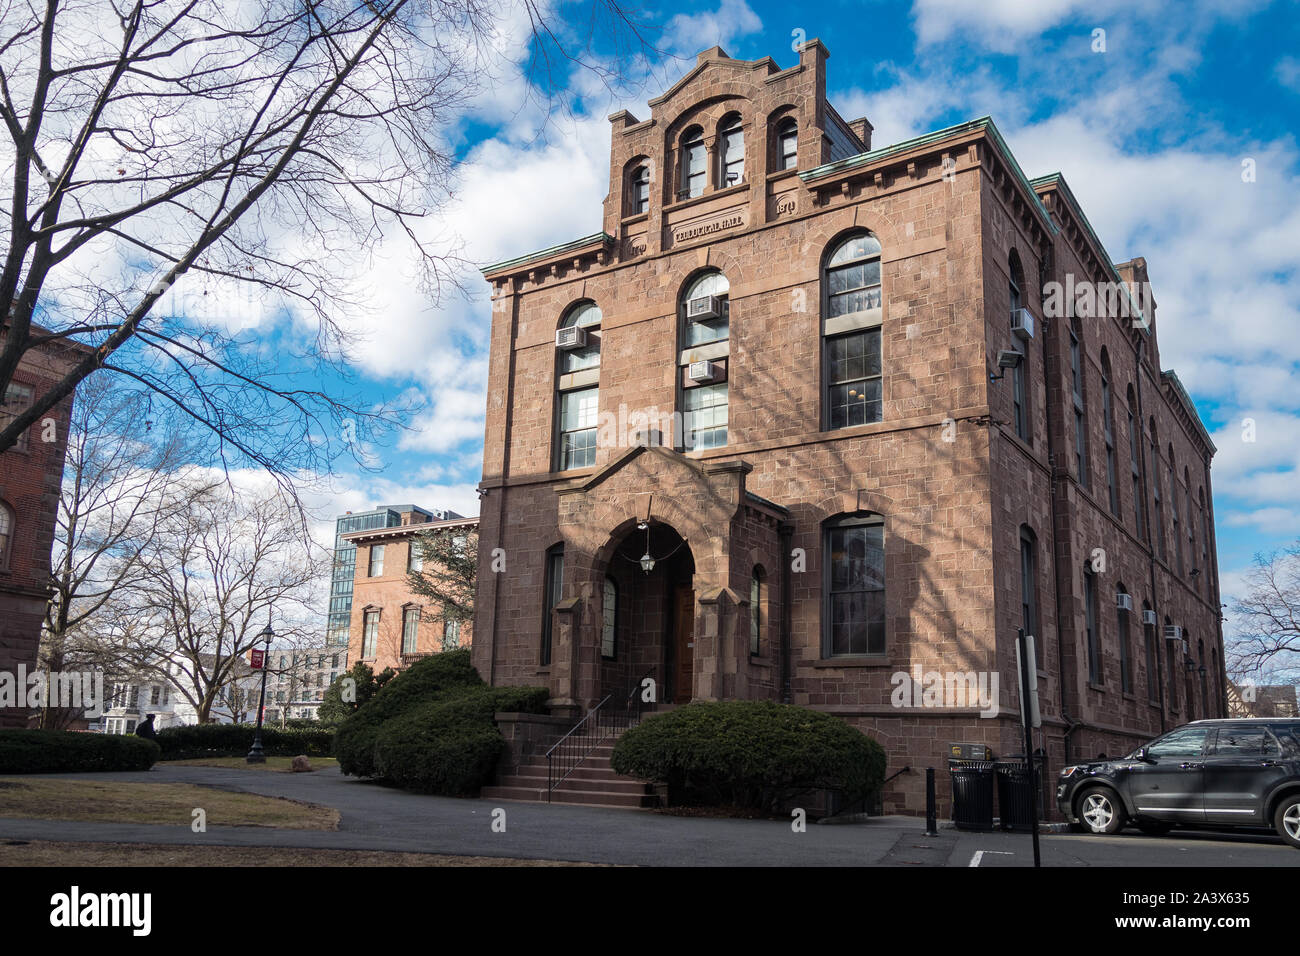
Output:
x=687 y=201
x=1128 y=696
x=779 y=174
x=635 y=218
x=758 y=660
x=855 y=661
x=1097 y=687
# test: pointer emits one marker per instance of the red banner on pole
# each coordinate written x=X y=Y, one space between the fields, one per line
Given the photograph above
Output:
x=256 y=659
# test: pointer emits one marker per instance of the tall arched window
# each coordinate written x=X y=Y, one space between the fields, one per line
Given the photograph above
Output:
x=1173 y=512
x=757 y=610
x=552 y=591
x=609 y=620
x=1019 y=374
x=1080 y=408
x=1158 y=528
x=1108 y=427
x=6 y=533
x=1029 y=581
x=1171 y=669
x=1205 y=541
x=693 y=164
x=731 y=154
x=1191 y=529
x=638 y=190
x=1152 y=657
x=1203 y=671
x=703 y=360
x=1125 y=660
x=1135 y=464
x=1091 y=622
x=787 y=143
x=853 y=585
x=851 y=332
x=577 y=386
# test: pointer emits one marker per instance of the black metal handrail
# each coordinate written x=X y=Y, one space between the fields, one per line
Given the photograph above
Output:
x=597 y=726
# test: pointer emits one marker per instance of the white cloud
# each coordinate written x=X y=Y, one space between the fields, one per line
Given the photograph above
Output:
x=688 y=34
x=1287 y=72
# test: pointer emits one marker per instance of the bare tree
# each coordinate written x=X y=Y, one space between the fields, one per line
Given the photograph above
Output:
x=232 y=152
x=449 y=569
x=125 y=476
x=1266 y=648
x=212 y=577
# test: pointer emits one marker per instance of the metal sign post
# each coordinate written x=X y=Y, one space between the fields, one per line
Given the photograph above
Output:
x=1027 y=664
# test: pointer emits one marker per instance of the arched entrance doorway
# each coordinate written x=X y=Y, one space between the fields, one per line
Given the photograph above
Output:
x=647 y=627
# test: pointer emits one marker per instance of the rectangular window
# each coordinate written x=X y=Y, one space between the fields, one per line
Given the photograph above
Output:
x=1090 y=615
x=578 y=417
x=415 y=556
x=1080 y=418
x=1153 y=672
x=704 y=416
x=855 y=593
x=1028 y=585
x=551 y=597
x=1020 y=398
x=854 y=288
x=789 y=147
x=853 y=378
x=1125 y=666
x=696 y=173
x=376 y=568
x=733 y=157
x=369 y=634
x=450 y=635
x=410 y=629
x=1135 y=465
x=155 y=695
x=17 y=398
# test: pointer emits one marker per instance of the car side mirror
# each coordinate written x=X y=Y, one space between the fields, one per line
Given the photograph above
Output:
x=1142 y=755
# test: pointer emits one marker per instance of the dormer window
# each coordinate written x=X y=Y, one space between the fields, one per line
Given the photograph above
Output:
x=787 y=144
x=694 y=168
x=732 y=168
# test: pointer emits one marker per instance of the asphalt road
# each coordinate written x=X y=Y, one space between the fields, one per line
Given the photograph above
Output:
x=379 y=818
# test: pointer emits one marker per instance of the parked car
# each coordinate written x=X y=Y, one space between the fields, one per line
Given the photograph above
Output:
x=1209 y=773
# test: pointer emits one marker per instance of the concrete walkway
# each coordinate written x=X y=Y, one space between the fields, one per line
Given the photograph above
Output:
x=379 y=818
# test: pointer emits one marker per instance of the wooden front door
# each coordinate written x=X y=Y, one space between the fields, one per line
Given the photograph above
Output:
x=684 y=634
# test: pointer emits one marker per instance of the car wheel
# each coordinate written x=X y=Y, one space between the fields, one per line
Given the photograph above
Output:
x=1100 y=811
x=1287 y=819
x=1154 y=827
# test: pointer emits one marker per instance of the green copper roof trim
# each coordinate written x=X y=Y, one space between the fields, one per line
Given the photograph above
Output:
x=554 y=250
x=1172 y=376
x=983 y=123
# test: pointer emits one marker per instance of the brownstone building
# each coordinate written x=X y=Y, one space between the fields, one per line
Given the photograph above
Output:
x=392 y=626
x=833 y=398
x=31 y=473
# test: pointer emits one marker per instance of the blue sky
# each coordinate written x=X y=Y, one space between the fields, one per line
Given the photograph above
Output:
x=1151 y=134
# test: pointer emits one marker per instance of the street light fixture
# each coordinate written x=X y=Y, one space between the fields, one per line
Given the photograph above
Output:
x=255 y=755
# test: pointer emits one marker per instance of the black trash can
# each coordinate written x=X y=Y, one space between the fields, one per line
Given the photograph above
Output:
x=972 y=794
x=1016 y=795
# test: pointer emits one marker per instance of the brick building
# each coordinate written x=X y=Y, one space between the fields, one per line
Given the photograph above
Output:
x=391 y=625
x=778 y=372
x=31 y=474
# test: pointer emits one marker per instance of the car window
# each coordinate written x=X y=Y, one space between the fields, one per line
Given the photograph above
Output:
x=1288 y=739
x=1240 y=742
x=1181 y=743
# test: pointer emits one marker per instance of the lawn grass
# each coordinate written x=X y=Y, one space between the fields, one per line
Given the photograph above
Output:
x=105 y=801
x=277 y=764
x=47 y=853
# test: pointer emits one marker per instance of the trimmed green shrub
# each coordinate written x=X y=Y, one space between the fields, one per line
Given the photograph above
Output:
x=334 y=709
x=750 y=753
x=234 y=740
x=430 y=728
x=65 y=751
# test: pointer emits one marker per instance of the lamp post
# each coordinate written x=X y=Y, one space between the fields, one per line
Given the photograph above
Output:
x=255 y=755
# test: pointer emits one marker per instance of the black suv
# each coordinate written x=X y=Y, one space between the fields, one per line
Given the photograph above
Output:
x=1210 y=773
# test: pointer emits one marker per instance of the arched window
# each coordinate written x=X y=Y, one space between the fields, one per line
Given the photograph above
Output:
x=851 y=332
x=1152 y=656
x=1019 y=374
x=1080 y=407
x=1029 y=581
x=1173 y=512
x=731 y=157
x=410 y=629
x=638 y=190
x=6 y=533
x=1203 y=671
x=703 y=360
x=551 y=594
x=757 y=609
x=577 y=398
x=693 y=166
x=1095 y=673
x=1171 y=669
x=1206 y=568
x=1191 y=530
x=787 y=143
x=1135 y=464
x=609 y=620
x=1158 y=523
x=853 y=585
x=1125 y=661
x=1108 y=428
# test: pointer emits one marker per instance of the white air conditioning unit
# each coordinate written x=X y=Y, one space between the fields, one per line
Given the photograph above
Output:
x=1022 y=323
x=1124 y=602
x=704 y=308
x=574 y=337
x=702 y=372
x=1173 y=632
x=1149 y=617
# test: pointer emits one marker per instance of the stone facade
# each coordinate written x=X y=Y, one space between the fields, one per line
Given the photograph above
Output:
x=387 y=597
x=30 y=478
x=943 y=466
